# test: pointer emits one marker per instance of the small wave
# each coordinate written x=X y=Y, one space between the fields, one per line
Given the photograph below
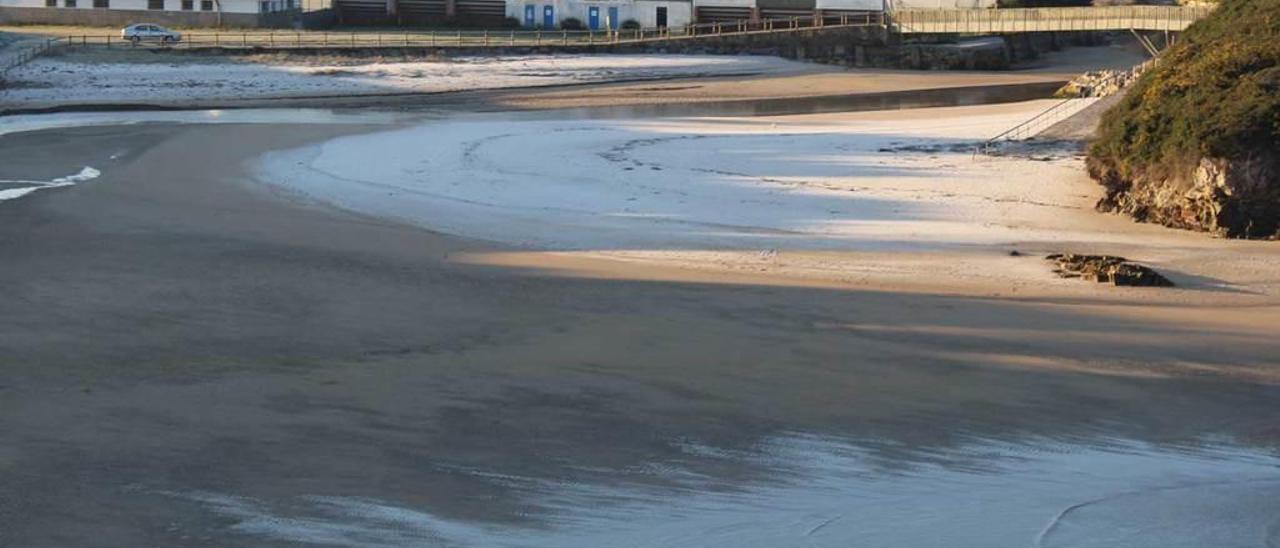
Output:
x=24 y=187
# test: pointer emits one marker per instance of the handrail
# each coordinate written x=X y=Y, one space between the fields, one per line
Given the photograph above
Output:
x=27 y=54
x=1034 y=125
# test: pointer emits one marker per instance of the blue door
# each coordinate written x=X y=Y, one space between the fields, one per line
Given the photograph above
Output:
x=613 y=17
x=548 y=17
x=530 y=11
x=593 y=18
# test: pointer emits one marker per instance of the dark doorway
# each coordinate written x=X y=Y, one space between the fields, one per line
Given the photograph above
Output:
x=662 y=17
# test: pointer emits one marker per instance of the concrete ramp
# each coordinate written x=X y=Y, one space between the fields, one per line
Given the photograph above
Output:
x=1082 y=125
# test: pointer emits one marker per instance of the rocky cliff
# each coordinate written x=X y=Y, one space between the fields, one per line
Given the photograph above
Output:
x=1196 y=143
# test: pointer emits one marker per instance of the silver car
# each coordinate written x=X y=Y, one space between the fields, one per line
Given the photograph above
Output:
x=139 y=32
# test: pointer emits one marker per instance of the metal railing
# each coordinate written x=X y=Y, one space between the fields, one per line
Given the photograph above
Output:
x=484 y=38
x=1040 y=122
x=22 y=54
x=1011 y=20
x=1064 y=109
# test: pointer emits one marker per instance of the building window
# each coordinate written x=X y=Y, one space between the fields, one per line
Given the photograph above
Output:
x=206 y=5
x=104 y=4
x=155 y=4
x=69 y=3
x=50 y=3
x=188 y=5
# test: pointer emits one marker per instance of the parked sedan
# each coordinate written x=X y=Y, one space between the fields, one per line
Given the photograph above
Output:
x=145 y=31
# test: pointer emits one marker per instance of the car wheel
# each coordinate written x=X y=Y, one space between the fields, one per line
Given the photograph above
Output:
x=166 y=40
x=135 y=39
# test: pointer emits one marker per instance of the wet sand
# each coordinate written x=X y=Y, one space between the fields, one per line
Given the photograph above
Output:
x=188 y=357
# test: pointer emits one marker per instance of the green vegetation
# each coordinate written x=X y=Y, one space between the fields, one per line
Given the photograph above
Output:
x=1215 y=94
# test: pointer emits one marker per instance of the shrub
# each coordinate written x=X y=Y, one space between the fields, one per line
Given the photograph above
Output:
x=571 y=23
x=630 y=24
x=1195 y=143
x=1215 y=93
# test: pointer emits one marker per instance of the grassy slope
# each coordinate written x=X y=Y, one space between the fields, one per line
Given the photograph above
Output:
x=1215 y=94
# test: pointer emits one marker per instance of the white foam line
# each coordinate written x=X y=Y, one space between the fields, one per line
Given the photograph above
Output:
x=87 y=173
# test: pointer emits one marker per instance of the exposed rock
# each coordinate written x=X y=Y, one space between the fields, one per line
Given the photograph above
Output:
x=1234 y=198
x=1106 y=269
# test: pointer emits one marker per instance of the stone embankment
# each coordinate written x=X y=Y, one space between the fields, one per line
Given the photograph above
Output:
x=1100 y=83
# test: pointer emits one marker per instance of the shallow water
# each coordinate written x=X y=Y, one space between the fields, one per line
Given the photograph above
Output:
x=897 y=100
x=859 y=102
x=828 y=492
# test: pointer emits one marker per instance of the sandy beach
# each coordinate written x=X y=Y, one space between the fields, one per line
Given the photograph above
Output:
x=368 y=328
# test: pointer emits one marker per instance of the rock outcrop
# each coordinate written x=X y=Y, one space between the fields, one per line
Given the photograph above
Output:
x=1195 y=143
x=1237 y=198
x=1106 y=269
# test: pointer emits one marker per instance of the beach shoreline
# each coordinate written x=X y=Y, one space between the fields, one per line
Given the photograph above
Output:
x=191 y=353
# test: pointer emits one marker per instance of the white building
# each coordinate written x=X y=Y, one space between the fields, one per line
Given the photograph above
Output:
x=601 y=14
x=160 y=6
x=194 y=13
x=593 y=14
